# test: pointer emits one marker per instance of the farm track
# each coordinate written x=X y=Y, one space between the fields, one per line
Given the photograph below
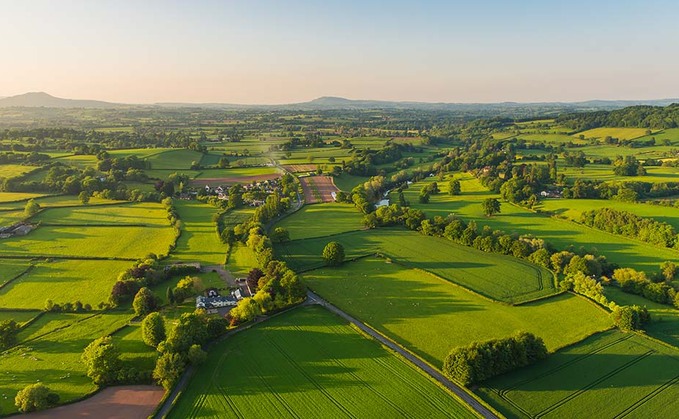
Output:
x=471 y=402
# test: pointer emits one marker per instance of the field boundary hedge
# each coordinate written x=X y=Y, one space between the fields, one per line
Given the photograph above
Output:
x=24 y=272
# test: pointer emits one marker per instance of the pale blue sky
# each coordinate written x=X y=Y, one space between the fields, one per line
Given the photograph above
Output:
x=286 y=51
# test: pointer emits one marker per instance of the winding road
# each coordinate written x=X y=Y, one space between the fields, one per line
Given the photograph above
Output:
x=432 y=372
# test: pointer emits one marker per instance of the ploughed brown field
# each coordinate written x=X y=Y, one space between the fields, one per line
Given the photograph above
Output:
x=318 y=189
x=297 y=168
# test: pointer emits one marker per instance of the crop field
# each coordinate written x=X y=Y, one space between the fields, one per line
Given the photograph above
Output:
x=664 y=323
x=499 y=277
x=318 y=189
x=63 y=281
x=51 y=355
x=620 y=133
x=13 y=170
x=608 y=375
x=308 y=363
x=199 y=241
x=561 y=233
x=322 y=220
x=176 y=159
x=297 y=168
x=244 y=175
x=430 y=316
x=80 y=160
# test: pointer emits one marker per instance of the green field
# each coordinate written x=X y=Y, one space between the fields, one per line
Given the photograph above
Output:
x=608 y=375
x=605 y=173
x=14 y=170
x=237 y=172
x=496 y=276
x=145 y=213
x=199 y=241
x=322 y=220
x=17 y=196
x=52 y=355
x=620 y=133
x=625 y=251
x=431 y=316
x=309 y=363
x=63 y=281
x=174 y=159
x=573 y=208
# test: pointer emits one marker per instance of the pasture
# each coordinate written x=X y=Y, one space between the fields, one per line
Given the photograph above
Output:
x=173 y=159
x=49 y=352
x=430 y=315
x=495 y=276
x=322 y=220
x=137 y=214
x=199 y=241
x=63 y=281
x=561 y=233
x=605 y=172
x=610 y=374
x=13 y=170
x=614 y=132
x=309 y=363
x=17 y=196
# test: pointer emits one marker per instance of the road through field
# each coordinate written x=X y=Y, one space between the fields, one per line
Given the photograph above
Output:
x=435 y=374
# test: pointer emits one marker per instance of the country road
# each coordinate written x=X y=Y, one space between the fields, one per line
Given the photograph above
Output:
x=434 y=373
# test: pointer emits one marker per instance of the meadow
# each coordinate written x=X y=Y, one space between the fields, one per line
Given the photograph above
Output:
x=309 y=363
x=51 y=355
x=495 y=276
x=14 y=170
x=322 y=220
x=614 y=132
x=605 y=172
x=198 y=241
x=138 y=214
x=63 y=281
x=611 y=374
x=174 y=159
x=430 y=315
x=561 y=233
x=17 y=196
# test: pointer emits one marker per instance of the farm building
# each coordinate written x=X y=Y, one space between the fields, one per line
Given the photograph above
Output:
x=216 y=301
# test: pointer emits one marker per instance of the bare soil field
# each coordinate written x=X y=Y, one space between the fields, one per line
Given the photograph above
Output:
x=124 y=402
x=318 y=189
x=297 y=168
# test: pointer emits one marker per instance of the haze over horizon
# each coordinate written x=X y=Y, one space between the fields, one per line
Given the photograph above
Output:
x=266 y=52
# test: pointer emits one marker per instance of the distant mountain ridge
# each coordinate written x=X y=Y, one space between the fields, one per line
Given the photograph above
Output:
x=42 y=99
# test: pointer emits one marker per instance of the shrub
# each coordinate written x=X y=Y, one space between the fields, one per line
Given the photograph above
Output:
x=35 y=397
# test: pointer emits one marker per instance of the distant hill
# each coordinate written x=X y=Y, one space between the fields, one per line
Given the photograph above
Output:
x=44 y=100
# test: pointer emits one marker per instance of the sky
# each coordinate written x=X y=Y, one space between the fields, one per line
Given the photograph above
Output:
x=285 y=51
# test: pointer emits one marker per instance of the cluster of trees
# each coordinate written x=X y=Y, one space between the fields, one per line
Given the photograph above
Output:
x=630 y=225
x=143 y=273
x=35 y=397
x=364 y=162
x=31 y=159
x=622 y=191
x=628 y=166
x=427 y=191
x=633 y=116
x=75 y=307
x=635 y=282
x=275 y=286
x=480 y=361
x=629 y=318
x=104 y=366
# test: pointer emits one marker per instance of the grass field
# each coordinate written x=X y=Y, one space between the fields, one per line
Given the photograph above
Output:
x=561 y=233
x=605 y=173
x=176 y=159
x=573 y=208
x=608 y=375
x=199 y=241
x=11 y=268
x=322 y=220
x=620 y=133
x=53 y=355
x=309 y=363
x=17 y=196
x=98 y=242
x=18 y=316
x=346 y=182
x=431 y=316
x=14 y=170
x=237 y=172
x=63 y=281
x=145 y=213
x=500 y=277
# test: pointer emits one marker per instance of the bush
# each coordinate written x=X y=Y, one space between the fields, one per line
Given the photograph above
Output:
x=196 y=355
x=333 y=254
x=629 y=318
x=35 y=397
x=102 y=360
x=169 y=369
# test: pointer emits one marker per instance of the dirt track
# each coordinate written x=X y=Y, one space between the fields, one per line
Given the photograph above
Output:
x=124 y=402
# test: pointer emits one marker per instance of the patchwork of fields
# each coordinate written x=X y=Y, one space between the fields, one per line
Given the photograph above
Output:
x=430 y=315
x=496 y=276
x=309 y=363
